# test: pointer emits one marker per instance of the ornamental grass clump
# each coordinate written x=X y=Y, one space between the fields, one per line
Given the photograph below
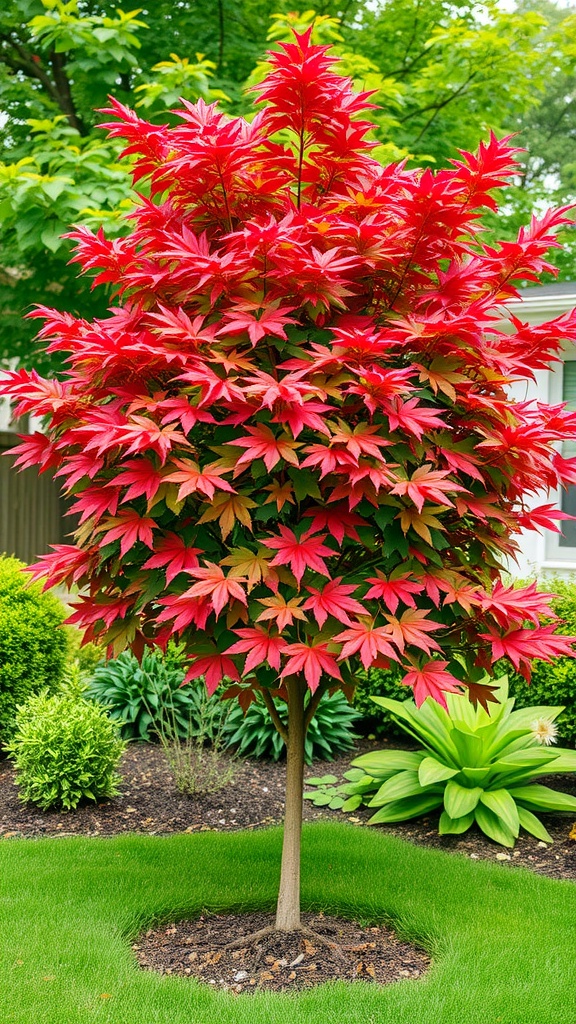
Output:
x=477 y=767
x=291 y=443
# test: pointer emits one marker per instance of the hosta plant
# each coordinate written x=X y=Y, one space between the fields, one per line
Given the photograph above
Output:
x=477 y=767
x=146 y=698
x=331 y=730
x=291 y=443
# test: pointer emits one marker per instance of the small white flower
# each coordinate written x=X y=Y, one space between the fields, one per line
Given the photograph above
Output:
x=544 y=731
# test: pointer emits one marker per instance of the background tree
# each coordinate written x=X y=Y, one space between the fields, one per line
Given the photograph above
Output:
x=290 y=442
x=442 y=73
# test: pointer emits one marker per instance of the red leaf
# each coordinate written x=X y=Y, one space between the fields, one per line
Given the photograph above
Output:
x=259 y=646
x=128 y=527
x=215 y=668
x=218 y=588
x=367 y=640
x=300 y=553
x=393 y=590
x=171 y=551
x=311 y=660
x=432 y=681
x=333 y=600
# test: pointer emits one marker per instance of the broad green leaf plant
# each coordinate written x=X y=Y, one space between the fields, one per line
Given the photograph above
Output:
x=478 y=767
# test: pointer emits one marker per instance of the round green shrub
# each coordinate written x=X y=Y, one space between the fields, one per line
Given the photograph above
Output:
x=554 y=682
x=65 y=750
x=33 y=647
x=254 y=735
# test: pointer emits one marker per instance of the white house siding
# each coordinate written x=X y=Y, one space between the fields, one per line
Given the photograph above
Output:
x=542 y=554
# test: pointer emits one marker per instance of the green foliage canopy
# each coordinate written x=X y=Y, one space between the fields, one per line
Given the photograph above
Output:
x=442 y=74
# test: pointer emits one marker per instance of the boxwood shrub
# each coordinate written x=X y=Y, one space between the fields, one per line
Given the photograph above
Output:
x=65 y=750
x=33 y=647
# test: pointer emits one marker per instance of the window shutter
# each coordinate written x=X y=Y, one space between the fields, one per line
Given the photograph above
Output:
x=568 y=537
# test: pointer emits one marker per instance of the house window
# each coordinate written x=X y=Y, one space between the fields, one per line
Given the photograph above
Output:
x=568 y=494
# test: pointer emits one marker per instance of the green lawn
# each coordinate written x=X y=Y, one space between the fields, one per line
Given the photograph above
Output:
x=502 y=940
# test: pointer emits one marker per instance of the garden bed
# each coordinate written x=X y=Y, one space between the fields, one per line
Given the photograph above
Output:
x=149 y=803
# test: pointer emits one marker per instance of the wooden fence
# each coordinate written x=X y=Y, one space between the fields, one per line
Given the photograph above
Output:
x=32 y=508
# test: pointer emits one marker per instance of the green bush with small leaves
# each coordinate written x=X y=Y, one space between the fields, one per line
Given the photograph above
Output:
x=378 y=682
x=553 y=682
x=65 y=749
x=253 y=734
x=33 y=646
x=146 y=698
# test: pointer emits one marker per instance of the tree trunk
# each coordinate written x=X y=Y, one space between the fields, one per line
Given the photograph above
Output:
x=288 y=907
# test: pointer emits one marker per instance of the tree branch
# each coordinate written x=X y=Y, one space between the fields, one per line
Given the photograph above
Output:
x=273 y=712
x=58 y=89
x=25 y=63
x=57 y=63
x=313 y=704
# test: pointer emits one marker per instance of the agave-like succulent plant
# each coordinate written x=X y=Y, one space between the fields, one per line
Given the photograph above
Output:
x=477 y=766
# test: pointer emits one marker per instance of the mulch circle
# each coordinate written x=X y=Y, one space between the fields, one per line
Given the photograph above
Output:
x=279 y=961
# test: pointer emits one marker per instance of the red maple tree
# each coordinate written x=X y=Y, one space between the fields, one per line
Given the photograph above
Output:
x=291 y=443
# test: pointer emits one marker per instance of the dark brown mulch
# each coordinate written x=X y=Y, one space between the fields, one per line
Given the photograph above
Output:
x=280 y=960
x=149 y=803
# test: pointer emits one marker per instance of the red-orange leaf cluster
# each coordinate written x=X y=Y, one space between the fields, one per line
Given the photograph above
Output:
x=296 y=417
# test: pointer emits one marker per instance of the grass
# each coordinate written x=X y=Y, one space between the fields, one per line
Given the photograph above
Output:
x=502 y=940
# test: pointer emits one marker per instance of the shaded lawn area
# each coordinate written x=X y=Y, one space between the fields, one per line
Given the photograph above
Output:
x=502 y=941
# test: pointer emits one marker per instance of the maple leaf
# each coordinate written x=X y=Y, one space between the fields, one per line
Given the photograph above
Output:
x=66 y=564
x=184 y=610
x=522 y=645
x=35 y=450
x=411 y=628
x=421 y=523
x=442 y=375
x=215 y=668
x=393 y=590
x=172 y=552
x=514 y=604
x=192 y=479
x=300 y=553
x=270 y=320
x=128 y=527
x=482 y=694
x=427 y=484
x=367 y=640
x=94 y=501
x=431 y=680
x=413 y=417
x=144 y=434
x=281 y=493
x=227 y=509
x=283 y=611
x=543 y=516
x=261 y=443
x=252 y=565
x=311 y=660
x=333 y=600
x=220 y=589
x=140 y=477
x=337 y=519
x=363 y=439
x=260 y=647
